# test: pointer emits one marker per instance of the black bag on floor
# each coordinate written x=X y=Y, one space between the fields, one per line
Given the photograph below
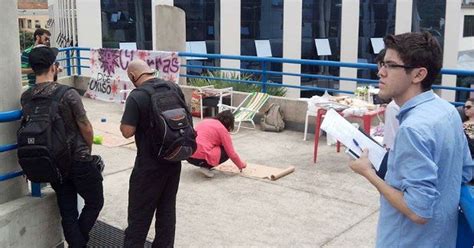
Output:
x=43 y=151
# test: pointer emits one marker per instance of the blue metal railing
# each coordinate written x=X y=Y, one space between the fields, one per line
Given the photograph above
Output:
x=9 y=116
x=73 y=66
x=263 y=72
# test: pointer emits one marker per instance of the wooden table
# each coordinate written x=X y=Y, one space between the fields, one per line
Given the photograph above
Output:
x=366 y=119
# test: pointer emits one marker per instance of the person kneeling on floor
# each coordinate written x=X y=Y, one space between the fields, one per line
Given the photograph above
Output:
x=214 y=144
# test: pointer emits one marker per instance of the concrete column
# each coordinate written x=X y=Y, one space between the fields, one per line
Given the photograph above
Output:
x=89 y=29
x=54 y=14
x=154 y=3
x=451 y=46
x=10 y=96
x=403 y=16
x=25 y=221
x=292 y=25
x=170 y=32
x=230 y=31
x=349 y=42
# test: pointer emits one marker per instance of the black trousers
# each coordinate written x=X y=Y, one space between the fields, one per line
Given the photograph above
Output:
x=85 y=180
x=203 y=163
x=153 y=188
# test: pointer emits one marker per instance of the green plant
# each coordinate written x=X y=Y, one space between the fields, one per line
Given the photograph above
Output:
x=222 y=81
x=26 y=40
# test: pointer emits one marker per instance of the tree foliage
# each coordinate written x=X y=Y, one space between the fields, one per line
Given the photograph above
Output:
x=26 y=40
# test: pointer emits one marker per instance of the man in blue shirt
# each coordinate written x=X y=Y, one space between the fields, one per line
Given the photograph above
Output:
x=430 y=158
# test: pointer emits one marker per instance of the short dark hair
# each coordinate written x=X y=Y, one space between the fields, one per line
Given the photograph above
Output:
x=380 y=56
x=227 y=119
x=40 y=32
x=418 y=50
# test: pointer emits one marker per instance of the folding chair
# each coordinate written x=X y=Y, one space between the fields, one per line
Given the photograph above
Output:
x=247 y=109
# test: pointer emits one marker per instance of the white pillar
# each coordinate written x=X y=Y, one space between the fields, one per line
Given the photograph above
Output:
x=10 y=94
x=403 y=16
x=292 y=19
x=451 y=46
x=153 y=16
x=88 y=23
x=230 y=32
x=54 y=15
x=89 y=29
x=349 y=42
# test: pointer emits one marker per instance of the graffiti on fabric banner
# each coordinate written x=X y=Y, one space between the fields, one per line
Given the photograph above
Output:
x=102 y=84
x=109 y=79
x=112 y=59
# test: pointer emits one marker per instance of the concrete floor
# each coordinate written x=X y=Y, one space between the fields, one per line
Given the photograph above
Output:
x=319 y=205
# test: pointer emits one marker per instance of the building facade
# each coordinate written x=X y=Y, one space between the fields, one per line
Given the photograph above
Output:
x=338 y=30
x=32 y=15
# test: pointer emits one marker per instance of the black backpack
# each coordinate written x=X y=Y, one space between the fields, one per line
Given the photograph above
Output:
x=43 y=151
x=171 y=133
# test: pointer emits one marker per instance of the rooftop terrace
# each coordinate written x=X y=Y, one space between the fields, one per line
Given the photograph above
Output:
x=319 y=205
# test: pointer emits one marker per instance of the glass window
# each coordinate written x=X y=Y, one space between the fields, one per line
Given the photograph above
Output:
x=467 y=4
x=321 y=20
x=202 y=24
x=468 y=26
x=29 y=24
x=429 y=15
x=262 y=20
x=465 y=62
x=126 y=21
x=377 y=19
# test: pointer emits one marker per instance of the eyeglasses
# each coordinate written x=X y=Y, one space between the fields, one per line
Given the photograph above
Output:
x=385 y=65
x=467 y=106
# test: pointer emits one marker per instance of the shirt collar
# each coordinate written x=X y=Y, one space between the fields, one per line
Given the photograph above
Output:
x=415 y=101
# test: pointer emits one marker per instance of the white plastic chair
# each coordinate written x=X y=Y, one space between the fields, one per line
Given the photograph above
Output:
x=311 y=111
x=210 y=90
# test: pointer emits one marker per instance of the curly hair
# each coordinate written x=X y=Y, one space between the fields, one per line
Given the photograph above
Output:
x=227 y=119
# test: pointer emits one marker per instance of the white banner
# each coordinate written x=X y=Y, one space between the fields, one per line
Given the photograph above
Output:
x=109 y=80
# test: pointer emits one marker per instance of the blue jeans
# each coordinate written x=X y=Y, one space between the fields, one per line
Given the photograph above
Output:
x=85 y=180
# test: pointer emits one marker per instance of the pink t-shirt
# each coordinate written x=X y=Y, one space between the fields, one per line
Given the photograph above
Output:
x=211 y=135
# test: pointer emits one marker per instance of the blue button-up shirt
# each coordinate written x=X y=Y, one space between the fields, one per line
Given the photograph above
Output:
x=428 y=163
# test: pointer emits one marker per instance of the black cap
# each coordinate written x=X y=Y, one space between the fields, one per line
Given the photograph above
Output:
x=42 y=57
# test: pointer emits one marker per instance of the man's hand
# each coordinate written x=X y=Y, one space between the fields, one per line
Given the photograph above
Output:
x=362 y=166
x=394 y=196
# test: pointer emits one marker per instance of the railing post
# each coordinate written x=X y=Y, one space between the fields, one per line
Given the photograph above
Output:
x=264 y=76
x=35 y=189
x=78 y=61
x=68 y=61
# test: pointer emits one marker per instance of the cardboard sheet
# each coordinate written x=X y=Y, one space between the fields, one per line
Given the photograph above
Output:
x=256 y=170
